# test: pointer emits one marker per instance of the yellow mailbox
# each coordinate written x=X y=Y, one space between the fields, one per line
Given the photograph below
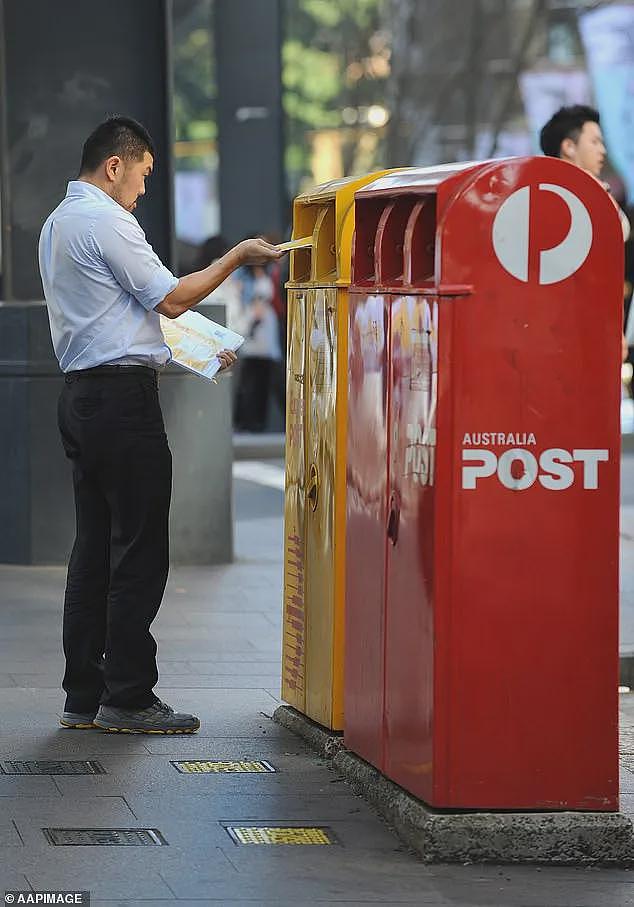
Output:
x=316 y=419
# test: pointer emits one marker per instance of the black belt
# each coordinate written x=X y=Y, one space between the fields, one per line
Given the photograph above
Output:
x=113 y=370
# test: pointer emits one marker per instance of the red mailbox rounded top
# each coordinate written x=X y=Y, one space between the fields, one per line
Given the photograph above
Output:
x=439 y=229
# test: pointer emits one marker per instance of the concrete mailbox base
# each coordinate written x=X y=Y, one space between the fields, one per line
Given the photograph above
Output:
x=564 y=838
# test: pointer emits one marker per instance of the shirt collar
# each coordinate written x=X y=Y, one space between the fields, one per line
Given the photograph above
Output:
x=79 y=188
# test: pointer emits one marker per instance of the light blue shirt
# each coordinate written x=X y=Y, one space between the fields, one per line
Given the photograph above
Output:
x=102 y=281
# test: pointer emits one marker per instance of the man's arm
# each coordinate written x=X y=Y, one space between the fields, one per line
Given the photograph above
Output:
x=193 y=288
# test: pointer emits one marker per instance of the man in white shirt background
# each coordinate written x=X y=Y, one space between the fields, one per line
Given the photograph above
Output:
x=105 y=287
x=574 y=134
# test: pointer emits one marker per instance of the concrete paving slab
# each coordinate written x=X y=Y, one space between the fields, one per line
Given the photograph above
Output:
x=257 y=660
x=69 y=743
x=232 y=746
x=275 y=692
x=197 y=786
x=11 y=880
x=30 y=816
x=181 y=648
x=230 y=637
x=45 y=664
x=222 y=666
x=151 y=902
x=304 y=890
x=322 y=884
x=233 y=683
x=350 y=818
x=300 y=861
x=27 y=786
x=200 y=792
x=231 y=902
x=118 y=882
x=36 y=633
x=10 y=836
x=195 y=796
x=216 y=622
x=50 y=680
x=113 y=859
x=139 y=768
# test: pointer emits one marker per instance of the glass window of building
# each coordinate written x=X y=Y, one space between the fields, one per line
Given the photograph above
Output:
x=195 y=152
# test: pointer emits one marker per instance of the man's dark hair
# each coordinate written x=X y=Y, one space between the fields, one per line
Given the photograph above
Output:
x=121 y=136
x=567 y=123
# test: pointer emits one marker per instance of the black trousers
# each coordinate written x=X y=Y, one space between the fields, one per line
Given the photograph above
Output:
x=113 y=433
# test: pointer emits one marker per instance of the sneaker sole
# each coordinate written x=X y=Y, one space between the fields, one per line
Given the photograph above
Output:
x=129 y=730
x=77 y=727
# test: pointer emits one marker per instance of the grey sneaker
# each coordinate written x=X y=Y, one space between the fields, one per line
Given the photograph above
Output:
x=157 y=719
x=77 y=720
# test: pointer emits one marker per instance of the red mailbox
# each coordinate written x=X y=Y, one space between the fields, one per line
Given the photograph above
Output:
x=483 y=485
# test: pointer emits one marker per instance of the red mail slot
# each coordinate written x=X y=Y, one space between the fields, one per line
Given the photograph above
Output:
x=483 y=485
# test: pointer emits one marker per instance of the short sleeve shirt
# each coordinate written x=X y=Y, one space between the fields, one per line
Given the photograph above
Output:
x=102 y=282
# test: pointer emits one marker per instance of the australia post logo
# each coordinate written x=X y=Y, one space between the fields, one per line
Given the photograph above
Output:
x=523 y=465
x=514 y=231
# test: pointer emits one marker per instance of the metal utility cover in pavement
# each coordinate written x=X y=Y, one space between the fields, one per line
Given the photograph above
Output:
x=104 y=837
x=211 y=767
x=53 y=767
x=279 y=834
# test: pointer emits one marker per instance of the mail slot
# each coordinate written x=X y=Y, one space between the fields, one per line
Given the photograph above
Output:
x=481 y=655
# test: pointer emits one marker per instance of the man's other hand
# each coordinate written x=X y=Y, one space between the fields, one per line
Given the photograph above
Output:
x=227 y=359
x=257 y=252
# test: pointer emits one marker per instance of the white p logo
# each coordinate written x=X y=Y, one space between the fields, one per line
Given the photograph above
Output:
x=511 y=232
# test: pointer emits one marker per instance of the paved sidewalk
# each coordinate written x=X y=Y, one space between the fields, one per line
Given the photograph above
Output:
x=627 y=555
x=263 y=446
x=219 y=647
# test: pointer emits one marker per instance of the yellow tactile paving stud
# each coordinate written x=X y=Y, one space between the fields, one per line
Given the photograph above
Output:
x=194 y=767
x=272 y=834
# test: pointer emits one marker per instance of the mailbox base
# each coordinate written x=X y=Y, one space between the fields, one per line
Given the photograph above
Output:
x=557 y=838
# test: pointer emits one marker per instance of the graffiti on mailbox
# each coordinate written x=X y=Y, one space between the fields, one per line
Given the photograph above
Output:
x=295 y=427
x=420 y=452
x=421 y=361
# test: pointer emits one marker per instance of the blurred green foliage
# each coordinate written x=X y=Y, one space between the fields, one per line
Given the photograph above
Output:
x=327 y=65
x=194 y=77
x=333 y=57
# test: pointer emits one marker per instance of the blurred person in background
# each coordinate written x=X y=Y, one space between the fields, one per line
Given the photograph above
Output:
x=574 y=135
x=105 y=288
x=261 y=350
x=228 y=293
